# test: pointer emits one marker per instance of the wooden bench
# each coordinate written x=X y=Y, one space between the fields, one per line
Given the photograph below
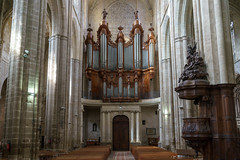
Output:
x=186 y=152
x=92 y=142
x=156 y=155
x=45 y=154
x=87 y=153
x=153 y=141
x=153 y=153
x=82 y=157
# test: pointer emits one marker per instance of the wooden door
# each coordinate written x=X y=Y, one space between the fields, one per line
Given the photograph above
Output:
x=121 y=133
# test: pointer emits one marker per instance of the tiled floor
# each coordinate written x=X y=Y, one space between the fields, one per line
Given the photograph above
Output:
x=117 y=155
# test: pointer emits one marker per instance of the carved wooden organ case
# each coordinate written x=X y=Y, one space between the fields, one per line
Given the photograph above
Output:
x=120 y=71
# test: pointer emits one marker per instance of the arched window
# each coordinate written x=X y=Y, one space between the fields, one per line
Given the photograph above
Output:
x=94 y=127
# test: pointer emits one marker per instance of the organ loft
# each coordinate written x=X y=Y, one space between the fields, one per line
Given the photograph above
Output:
x=120 y=70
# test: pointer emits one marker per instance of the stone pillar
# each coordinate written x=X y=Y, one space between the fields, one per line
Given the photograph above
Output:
x=109 y=127
x=212 y=30
x=103 y=128
x=58 y=91
x=74 y=100
x=81 y=125
x=160 y=125
x=167 y=86
x=22 y=114
x=132 y=127
x=181 y=114
x=137 y=128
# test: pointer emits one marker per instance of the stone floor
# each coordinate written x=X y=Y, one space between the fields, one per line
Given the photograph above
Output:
x=118 y=155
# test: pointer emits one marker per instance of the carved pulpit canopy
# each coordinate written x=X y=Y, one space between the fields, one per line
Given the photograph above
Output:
x=194 y=74
x=195 y=68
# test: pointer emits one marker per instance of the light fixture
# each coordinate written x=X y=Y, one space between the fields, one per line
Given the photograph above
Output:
x=26 y=53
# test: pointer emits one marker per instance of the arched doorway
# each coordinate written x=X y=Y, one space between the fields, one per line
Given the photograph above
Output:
x=3 y=91
x=121 y=133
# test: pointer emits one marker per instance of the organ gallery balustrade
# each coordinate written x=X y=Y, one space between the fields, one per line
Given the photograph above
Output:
x=120 y=71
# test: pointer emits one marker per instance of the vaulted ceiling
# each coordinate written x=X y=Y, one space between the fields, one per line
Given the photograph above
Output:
x=149 y=3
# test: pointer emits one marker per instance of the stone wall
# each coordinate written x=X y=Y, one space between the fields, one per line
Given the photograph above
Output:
x=4 y=51
x=151 y=121
x=92 y=116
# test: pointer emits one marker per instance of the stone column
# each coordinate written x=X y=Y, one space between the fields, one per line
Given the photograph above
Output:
x=132 y=127
x=103 y=128
x=212 y=30
x=58 y=91
x=74 y=100
x=22 y=105
x=181 y=114
x=109 y=127
x=160 y=125
x=137 y=128
x=167 y=86
x=81 y=125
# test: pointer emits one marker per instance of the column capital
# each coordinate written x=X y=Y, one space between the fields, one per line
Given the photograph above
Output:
x=82 y=108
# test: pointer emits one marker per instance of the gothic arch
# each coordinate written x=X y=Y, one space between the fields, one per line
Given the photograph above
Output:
x=3 y=91
x=58 y=16
x=165 y=37
x=75 y=52
x=184 y=18
x=5 y=47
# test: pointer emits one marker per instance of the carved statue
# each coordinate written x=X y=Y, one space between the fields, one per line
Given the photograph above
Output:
x=89 y=28
x=136 y=14
x=151 y=29
x=195 y=67
x=104 y=14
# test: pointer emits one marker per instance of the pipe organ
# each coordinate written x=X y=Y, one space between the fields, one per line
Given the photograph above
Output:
x=120 y=71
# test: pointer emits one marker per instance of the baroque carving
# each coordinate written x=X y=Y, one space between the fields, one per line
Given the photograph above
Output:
x=195 y=67
x=197 y=145
x=196 y=132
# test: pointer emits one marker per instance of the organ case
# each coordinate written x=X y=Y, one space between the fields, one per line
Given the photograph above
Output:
x=120 y=71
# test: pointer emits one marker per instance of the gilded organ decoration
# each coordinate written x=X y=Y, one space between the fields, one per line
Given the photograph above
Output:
x=120 y=71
